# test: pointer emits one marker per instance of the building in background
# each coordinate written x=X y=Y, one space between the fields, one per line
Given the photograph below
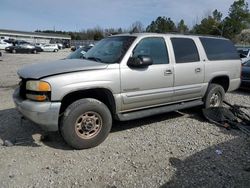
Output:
x=34 y=37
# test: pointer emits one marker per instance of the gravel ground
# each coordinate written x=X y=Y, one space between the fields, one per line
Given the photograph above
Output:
x=169 y=150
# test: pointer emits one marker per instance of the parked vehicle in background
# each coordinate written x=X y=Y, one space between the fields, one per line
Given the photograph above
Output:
x=126 y=77
x=50 y=48
x=245 y=75
x=74 y=48
x=39 y=45
x=60 y=46
x=245 y=60
x=23 y=48
x=244 y=53
x=4 y=44
x=79 y=53
x=66 y=44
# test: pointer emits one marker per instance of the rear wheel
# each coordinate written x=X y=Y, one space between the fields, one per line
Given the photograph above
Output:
x=214 y=96
x=34 y=51
x=86 y=123
x=13 y=51
x=55 y=50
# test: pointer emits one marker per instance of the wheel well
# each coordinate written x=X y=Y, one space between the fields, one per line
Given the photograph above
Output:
x=101 y=94
x=221 y=80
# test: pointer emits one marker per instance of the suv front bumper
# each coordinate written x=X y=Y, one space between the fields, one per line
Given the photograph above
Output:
x=46 y=114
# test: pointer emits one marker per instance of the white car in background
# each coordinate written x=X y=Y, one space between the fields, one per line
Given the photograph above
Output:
x=50 y=48
x=4 y=44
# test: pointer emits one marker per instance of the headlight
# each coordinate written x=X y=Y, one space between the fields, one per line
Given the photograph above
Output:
x=38 y=90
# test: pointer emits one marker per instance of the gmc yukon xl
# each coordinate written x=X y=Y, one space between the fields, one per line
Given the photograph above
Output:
x=126 y=77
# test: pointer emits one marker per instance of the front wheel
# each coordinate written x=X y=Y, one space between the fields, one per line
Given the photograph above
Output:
x=86 y=123
x=214 y=96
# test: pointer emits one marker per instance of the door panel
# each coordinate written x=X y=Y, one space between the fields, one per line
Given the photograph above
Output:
x=142 y=88
x=189 y=69
x=150 y=86
x=189 y=79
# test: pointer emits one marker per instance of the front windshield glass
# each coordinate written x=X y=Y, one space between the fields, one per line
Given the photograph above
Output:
x=78 y=54
x=110 y=50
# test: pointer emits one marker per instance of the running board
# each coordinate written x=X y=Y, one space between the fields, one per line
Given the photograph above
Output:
x=157 y=110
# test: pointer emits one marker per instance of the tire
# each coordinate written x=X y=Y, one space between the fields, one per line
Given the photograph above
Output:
x=55 y=50
x=34 y=51
x=86 y=123
x=214 y=96
x=13 y=51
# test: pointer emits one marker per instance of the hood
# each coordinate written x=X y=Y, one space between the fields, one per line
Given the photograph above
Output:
x=37 y=71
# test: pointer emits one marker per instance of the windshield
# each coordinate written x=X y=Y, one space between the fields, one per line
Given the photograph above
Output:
x=110 y=50
x=78 y=54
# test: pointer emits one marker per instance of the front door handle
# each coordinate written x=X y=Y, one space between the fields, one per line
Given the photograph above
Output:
x=167 y=72
x=198 y=70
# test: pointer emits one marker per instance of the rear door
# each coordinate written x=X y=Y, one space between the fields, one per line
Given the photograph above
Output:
x=189 y=69
x=149 y=86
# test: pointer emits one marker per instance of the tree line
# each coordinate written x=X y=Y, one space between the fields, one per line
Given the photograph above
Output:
x=230 y=27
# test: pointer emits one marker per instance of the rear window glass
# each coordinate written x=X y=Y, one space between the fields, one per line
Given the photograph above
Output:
x=219 y=49
x=185 y=50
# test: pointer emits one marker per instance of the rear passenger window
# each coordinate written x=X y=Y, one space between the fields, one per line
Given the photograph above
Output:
x=185 y=50
x=154 y=47
x=219 y=49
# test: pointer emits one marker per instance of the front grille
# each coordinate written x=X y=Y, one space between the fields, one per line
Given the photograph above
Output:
x=22 y=92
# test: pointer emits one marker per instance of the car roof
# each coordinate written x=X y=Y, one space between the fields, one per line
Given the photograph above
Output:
x=168 y=34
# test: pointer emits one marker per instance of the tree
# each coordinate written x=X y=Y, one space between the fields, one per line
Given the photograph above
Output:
x=137 y=27
x=238 y=19
x=211 y=25
x=182 y=27
x=161 y=25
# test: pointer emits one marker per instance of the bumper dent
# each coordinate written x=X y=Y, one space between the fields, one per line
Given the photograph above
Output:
x=46 y=114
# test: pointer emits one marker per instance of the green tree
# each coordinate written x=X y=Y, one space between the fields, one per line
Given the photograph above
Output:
x=161 y=25
x=182 y=27
x=237 y=20
x=211 y=25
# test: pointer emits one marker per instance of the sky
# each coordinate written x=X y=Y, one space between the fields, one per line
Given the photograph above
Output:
x=76 y=15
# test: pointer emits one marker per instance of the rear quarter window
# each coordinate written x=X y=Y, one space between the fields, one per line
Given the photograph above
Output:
x=219 y=49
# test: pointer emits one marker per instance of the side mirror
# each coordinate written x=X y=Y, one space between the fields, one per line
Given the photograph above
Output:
x=141 y=61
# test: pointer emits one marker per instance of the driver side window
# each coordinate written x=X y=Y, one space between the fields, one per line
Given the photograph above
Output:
x=154 y=47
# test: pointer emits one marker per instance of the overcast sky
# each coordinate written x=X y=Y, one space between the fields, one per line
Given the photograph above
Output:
x=75 y=15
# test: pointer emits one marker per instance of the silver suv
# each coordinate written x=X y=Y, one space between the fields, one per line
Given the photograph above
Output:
x=126 y=77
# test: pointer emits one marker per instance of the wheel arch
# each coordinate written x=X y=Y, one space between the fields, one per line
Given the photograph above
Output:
x=102 y=94
x=222 y=80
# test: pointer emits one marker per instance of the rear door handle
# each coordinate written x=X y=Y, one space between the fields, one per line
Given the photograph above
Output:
x=198 y=70
x=167 y=72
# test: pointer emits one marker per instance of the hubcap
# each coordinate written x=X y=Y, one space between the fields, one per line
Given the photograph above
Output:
x=215 y=100
x=88 y=125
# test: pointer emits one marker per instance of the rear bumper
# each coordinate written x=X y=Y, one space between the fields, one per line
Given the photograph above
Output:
x=45 y=114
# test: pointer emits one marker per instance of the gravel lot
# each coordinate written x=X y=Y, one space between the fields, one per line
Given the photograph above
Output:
x=170 y=150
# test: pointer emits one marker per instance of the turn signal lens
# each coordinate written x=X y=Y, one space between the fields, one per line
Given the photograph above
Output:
x=36 y=97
